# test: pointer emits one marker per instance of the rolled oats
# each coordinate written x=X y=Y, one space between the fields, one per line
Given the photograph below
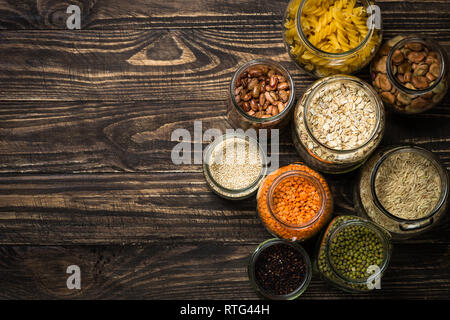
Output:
x=343 y=123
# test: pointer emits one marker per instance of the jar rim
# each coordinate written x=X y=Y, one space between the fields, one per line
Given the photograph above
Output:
x=317 y=184
x=382 y=235
x=268 y=243
x=360 y=83
x=427 y=42
x=362 y=44
x=429 y=156
x=282 y=70
x=246 y=138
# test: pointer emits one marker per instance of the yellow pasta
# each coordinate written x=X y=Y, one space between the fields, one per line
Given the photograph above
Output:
x=334 y=27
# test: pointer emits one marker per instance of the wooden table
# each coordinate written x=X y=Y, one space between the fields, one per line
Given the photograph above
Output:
x=86 y=176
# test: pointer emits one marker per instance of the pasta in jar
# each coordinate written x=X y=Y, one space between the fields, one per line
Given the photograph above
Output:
x=327 y=37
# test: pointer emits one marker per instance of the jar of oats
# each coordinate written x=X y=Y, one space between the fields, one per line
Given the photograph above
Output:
x=338 y=123
x=404 y=189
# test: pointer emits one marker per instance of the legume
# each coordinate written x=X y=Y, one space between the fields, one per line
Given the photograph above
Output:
x=346 y=254
x=304 y=197
x=262 y=92
x=413 y=67
x=353 y=250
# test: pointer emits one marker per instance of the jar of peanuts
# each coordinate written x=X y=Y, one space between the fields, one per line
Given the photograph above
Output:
x=262 y=96
x=294 y=202
x=410 y=74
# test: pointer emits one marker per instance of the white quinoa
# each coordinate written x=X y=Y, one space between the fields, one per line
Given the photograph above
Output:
x=235 y=163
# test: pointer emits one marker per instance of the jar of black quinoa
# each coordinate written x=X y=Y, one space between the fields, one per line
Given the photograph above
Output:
x=279 y=269
x=354 y=254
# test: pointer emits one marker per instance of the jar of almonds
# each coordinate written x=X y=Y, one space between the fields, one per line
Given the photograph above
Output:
x=410 y=73
x=262 y=96
x=338 y=123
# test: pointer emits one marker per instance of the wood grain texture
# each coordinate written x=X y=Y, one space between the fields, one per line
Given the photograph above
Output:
x=86 y=119
x=92 y=137
x=195 y=271
x=139 y=208
x=141 y=14
x=124 y=62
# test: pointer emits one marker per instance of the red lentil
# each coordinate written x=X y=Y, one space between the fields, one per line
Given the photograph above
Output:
x=296 y=203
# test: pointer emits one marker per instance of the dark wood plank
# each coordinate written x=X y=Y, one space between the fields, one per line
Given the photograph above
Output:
x=120 y=14
x=85 y=149
x=139 y=208
x=194 y=271
x=115 y=65
x=91 y=137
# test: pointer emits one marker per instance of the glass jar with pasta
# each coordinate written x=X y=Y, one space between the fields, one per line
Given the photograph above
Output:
x=327 y=37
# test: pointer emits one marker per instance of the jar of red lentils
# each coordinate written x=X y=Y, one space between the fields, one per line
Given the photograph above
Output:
x=294 y=202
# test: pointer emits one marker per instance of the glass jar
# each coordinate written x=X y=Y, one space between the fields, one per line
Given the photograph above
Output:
x=275 y=222
x=252 y=274
x=368 y=203
x=322 y=156
x=410 y=87
x=239 y=119
x=338 y=262
x=234 y=166
x=323 y=43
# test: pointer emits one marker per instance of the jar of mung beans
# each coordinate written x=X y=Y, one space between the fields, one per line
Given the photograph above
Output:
x=354 y=254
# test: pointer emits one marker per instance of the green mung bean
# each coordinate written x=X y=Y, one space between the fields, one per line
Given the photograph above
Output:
x=346 y=253
x=354 y=249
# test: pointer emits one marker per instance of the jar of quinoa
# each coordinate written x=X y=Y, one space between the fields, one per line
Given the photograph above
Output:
x=294 y=202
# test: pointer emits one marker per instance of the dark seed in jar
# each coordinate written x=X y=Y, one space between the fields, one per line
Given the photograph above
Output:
x=280 y=269
x=262 y=91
